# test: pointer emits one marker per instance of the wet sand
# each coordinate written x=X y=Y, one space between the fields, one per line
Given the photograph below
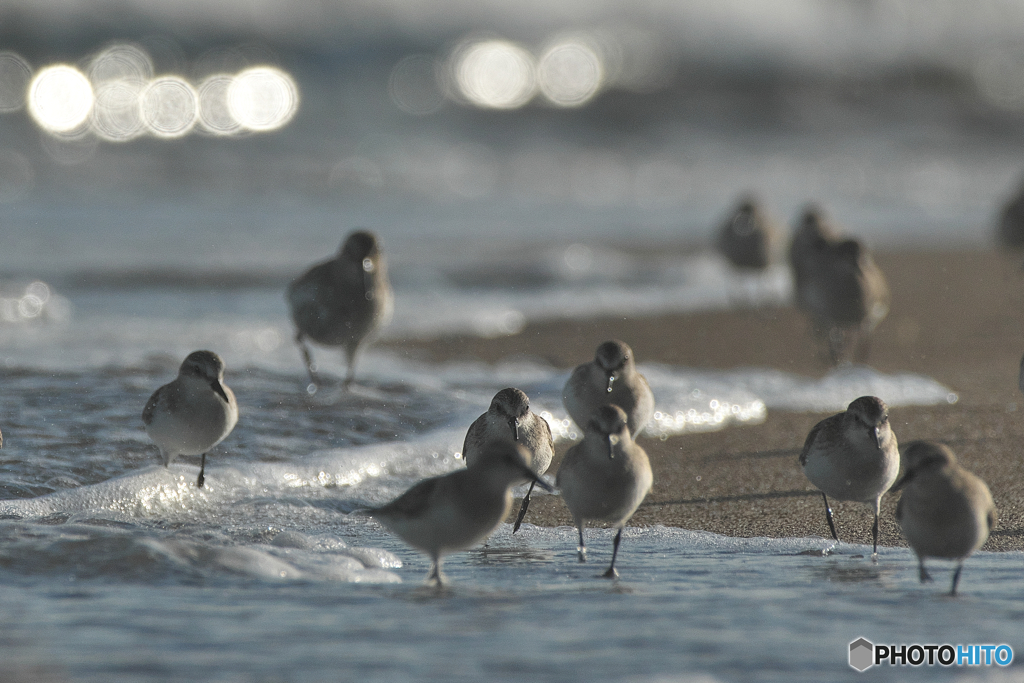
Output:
x=957 y=317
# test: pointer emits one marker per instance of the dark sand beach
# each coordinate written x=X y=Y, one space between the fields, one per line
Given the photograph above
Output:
x=956 y=316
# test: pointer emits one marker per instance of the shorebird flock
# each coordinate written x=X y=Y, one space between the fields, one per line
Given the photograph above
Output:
x=944 y=511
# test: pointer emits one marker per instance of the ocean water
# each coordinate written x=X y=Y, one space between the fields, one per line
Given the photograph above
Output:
x=118 y=259
x=114 y=568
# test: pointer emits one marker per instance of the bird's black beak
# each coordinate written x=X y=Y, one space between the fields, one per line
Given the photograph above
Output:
x=514 y=425
x=876 y=438
x=612 y=440
x=368 y=279
x=216 y=386
x=611 y=381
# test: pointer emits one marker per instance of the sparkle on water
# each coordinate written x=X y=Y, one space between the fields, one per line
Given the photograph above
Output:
x=118 y=98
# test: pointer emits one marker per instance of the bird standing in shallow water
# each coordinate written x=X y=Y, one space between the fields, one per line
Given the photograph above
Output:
x=194 y=413
x=853 y=456
x=610 y=379
x=455 y=511
x=509 y=419
x=605 y=477
x=945 y=511
x=839 y=286
x=342 y=302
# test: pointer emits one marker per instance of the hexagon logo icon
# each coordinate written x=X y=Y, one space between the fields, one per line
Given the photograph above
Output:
x=862 y=654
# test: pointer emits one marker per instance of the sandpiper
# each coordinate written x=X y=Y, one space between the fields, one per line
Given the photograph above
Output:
x=455 y=511
x=343 y=301
x=944 y=511
x=839 y=286
x=605 y=477
x=610 y=379
x=749 y=237
x=509 y=419
x=853 y=456
x=194 y=413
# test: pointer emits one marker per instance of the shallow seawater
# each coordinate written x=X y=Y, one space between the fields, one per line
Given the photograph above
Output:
x=114 y=568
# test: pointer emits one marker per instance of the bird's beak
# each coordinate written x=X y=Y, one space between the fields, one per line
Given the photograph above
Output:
x=876 y=437
x=368 y=279
x=514 y=425
x=612 y=440
x=219 y=388
x=611 y=381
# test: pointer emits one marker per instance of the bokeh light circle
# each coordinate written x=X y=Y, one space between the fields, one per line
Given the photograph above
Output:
x=569 y=73
x=15 y=74
x=263 y=98
x=413 y=85
x=60 y=98
x=121 y=62
x=214 y=113
x=116 y=116
x=495 y=74
x=169 y=107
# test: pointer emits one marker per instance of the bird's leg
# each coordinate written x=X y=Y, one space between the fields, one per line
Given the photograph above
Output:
x=202 y=473
x=921 y=571
x=611 y=573
x=828 y=517
x=874 y=536
x=307 y=358
x=523 y=508
x=350 y=358
x=581 y=549
x=434 y=577
x=956 y=578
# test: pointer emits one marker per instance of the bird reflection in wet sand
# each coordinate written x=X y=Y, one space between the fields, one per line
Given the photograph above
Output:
x=610 y=379
x=944 y=511
x=455 y=511
x=342 y=302
x=853 y=456
x=194 y=413
x=605 y=477
x=509 y=419
x=839 y=286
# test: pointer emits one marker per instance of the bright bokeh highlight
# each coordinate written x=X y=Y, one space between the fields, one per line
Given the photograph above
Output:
x=262 y=98
x=495 y=74
x=60 y=98
x=570 y=73
x=214 y=113
x=169 y=106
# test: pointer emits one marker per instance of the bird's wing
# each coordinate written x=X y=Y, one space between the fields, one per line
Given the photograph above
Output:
x=810 y=440
x=411 y=503
x=151 y=404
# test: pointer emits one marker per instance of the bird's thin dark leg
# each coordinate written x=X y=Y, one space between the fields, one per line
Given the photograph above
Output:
x=921 y=571
x=434 y=577
x=523 y=508
x=611 y=573
x=874 y=536
x=828 y=517
x=307 y=358
x=202 y=473
x=956 y=578
x=581 y=549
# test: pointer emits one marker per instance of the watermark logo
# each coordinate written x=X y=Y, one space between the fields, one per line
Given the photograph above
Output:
x=864 y=654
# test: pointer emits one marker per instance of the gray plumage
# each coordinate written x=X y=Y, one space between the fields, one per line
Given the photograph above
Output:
x=944 y=511
x=610 y=379
x=509 y=419
x=749 y=238
x=605 y=477
x=455 y=511
x=838 y=285
x=194 y=413
x=853 y=456
x=342 y=302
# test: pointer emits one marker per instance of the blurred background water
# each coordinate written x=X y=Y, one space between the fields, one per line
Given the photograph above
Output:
x=167 y=167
